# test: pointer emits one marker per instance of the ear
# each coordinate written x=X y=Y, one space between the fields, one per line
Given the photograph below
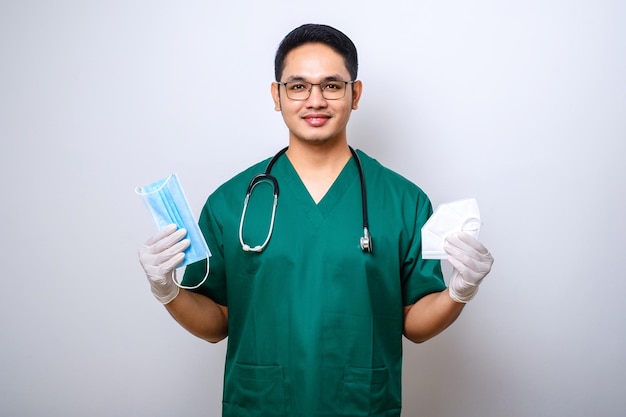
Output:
x=357 y=90
x=275 y=89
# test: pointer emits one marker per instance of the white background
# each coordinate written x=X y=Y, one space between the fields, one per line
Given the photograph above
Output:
x=519 y=104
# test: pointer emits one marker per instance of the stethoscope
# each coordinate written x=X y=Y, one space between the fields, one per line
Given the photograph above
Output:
x=365 y=240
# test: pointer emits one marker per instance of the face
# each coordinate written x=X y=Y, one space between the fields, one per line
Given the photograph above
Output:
x=316 y=120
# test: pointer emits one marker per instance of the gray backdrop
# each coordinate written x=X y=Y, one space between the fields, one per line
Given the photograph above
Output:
x=519 y=104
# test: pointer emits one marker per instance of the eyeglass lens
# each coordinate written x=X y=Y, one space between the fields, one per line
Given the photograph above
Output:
x=301 y=90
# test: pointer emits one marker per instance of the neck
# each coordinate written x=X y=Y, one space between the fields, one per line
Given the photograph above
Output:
x=318 y=165
x=318 y=156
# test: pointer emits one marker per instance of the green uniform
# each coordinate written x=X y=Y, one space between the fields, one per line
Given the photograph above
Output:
x=315 y=324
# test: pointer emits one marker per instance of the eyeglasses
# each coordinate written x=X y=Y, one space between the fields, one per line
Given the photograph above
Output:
x=301 y=90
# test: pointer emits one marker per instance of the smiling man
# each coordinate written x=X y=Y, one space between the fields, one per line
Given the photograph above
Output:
x=313 y=310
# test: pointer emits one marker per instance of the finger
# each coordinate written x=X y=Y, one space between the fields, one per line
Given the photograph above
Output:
x=457 y=249
x=167 y=254
x=166 y=231
x=456 y=264
x=478 y=256
x=471 y=241
x=464 y=243
x=172 y=262
x=168 y=241
x=462 y=261
x=467 y=258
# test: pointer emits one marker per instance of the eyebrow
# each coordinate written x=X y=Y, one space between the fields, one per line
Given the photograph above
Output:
x=332 y=77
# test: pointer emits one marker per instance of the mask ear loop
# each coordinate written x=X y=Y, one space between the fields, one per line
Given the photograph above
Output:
x=139 y=190
x=185 y=287
x=474 y=226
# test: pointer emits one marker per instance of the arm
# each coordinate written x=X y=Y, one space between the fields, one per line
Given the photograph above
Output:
x=430 y=316
x=433 y=313
x=200 y=315
x=197 y=313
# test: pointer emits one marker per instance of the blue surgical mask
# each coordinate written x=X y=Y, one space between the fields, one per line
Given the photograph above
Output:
x=167 y=205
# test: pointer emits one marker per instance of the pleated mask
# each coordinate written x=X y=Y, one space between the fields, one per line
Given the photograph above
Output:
x=449 y=218
x=167 y=204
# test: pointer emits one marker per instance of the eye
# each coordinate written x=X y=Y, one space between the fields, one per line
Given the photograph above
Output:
x=333 y=85
x=297 y=86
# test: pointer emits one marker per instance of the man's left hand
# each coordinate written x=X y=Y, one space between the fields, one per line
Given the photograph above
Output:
x=471 y=262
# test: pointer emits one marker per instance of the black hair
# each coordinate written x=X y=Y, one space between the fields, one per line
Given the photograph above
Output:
x=312 y=33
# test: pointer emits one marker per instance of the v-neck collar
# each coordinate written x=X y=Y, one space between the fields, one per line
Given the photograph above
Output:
x=288 y=178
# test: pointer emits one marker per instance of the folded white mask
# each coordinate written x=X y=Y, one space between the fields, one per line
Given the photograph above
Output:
x=447 y=219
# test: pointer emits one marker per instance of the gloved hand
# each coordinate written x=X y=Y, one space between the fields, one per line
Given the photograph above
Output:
x=471 y=262
x=159 y=256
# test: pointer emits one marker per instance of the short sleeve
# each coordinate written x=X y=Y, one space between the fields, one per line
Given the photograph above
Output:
x=420 y=277
x=215 y=285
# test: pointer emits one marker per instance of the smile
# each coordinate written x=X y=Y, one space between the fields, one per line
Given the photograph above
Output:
x=316 y=120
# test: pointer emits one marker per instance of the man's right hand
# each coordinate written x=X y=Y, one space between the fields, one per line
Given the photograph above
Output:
x=159 y=256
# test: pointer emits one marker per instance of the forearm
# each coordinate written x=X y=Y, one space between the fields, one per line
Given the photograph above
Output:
x=430 y=316
x=200 y=315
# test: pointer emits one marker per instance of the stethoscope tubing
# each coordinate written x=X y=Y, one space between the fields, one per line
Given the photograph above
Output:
x=365 y=241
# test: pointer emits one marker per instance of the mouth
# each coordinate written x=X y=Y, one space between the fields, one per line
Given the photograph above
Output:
x=316 y=119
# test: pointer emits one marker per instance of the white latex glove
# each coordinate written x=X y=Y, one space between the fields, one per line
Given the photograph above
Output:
x=471 y=262
x=159 y=256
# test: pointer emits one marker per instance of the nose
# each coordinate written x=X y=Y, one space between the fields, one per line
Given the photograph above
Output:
x=316 y=99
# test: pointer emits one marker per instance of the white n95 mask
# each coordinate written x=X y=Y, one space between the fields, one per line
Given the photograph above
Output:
x=449 y=218
x=168 y=205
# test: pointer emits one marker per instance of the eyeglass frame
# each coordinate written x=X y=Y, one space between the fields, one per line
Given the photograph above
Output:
x=310 y=90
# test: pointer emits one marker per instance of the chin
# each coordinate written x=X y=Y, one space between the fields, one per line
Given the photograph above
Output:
x=317 y=137
x=318 y=140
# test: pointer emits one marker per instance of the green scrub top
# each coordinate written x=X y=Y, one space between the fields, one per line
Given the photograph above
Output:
x=315 y=323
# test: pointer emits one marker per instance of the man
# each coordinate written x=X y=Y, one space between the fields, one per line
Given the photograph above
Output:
x=314 y=323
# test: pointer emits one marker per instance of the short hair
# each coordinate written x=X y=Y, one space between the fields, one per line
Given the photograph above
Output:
x=315 y=33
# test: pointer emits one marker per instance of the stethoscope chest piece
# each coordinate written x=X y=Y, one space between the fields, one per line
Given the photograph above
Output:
x=366 y=241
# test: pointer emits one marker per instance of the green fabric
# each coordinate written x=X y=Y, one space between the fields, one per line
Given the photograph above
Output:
x=315 y=324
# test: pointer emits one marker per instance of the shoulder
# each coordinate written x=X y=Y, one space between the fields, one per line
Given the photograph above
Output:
x=233 y=191
x=381 y=176
x=242 y=179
